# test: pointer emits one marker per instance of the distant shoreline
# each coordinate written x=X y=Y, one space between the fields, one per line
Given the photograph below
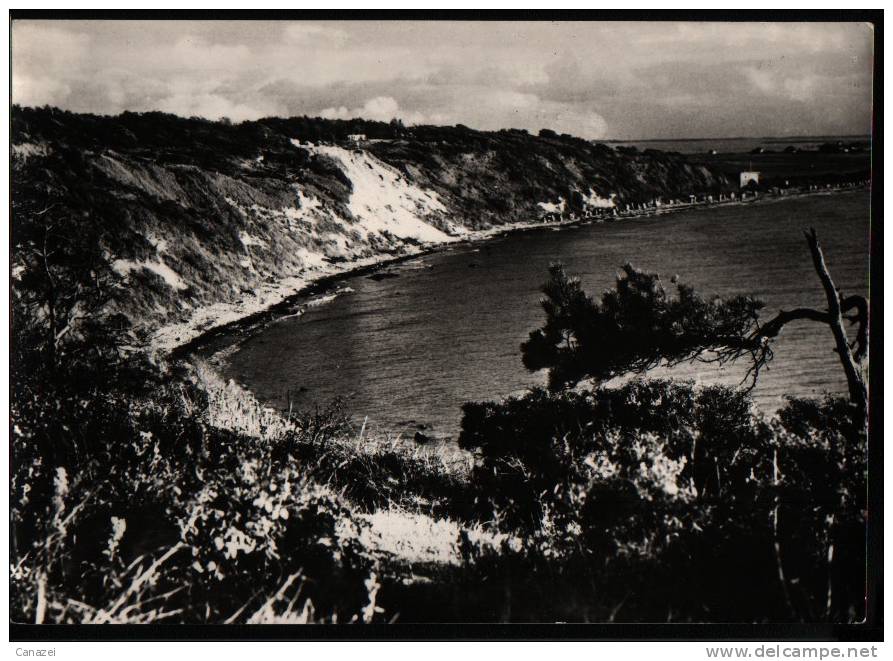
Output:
x=766 y=138
x=216 y=339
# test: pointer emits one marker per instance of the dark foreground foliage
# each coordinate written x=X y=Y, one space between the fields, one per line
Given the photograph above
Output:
x=659 y=501
x=653 y=501
x=128 y=507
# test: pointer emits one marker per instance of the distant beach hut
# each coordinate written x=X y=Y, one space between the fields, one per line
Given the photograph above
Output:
x=748 y=176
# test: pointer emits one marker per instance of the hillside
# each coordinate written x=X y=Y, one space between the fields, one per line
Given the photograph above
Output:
x=168 y=226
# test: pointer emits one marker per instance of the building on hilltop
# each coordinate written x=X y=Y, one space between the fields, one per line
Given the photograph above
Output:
x=747 y=177
x=356 y=138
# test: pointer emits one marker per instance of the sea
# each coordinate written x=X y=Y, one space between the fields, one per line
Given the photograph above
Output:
x=406 y=351
x=737 y=145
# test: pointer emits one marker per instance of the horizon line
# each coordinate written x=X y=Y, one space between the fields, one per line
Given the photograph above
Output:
x=505 y=128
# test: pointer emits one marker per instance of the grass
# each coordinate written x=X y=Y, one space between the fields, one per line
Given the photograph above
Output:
x=268 y=518
x=373 y=471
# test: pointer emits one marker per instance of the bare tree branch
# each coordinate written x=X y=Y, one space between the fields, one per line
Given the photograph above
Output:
x=855 y=383
x=773 y=327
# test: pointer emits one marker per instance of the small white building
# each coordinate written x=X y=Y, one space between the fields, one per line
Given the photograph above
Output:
x=356 y=138
x=748 y=176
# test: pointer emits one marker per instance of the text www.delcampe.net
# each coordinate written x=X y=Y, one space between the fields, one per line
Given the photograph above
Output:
x=791 y=652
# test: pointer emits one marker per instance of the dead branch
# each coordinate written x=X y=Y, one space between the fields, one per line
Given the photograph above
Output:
x=857 y=388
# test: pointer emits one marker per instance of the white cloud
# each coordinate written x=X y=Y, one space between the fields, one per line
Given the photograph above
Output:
x=38 y=91
x=196 y=54
x=314 y=33
x=729 y=40
x=379 y=108
x=490 y=108
x=211 y=106
x=804 y=88
x=485 y=108
x=41 y=57
x=47 y=47
x=762 y=80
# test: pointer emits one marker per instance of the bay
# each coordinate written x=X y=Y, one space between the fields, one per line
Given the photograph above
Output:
x=407 y=351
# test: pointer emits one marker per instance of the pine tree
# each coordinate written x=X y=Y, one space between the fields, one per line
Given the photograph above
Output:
x=639 y=325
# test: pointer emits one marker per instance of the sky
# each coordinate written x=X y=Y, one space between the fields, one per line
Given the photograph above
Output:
x=597 y=80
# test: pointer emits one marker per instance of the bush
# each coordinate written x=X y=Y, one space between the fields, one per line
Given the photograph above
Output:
x=148 y=513
x=534 y=443
x=679 y=502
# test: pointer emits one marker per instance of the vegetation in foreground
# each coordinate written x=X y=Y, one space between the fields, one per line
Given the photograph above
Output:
x=145 y=493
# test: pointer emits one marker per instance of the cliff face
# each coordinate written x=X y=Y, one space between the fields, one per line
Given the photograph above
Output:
x=155 y=221
x=490 y=178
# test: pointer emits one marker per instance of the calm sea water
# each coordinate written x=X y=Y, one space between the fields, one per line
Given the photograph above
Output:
x=737 y=145
x=409 y=350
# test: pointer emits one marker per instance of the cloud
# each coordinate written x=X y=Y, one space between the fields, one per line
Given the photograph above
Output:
x=479 y=107
x=40 y=57
x=808 y=87
x=382 y=109
x=314 y=34
x=49 y=48
x=805 y=88
x=590 y=79
x=761 y=80
x=729 y=41
x=211 y=106
x=197 y=54
x=493 y=109
x=39 y=91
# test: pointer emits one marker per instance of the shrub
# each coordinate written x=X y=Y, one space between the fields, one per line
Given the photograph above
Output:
x=679 y=502
x=148 y=513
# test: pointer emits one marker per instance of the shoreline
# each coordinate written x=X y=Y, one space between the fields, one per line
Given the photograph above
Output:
x=295 y=293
